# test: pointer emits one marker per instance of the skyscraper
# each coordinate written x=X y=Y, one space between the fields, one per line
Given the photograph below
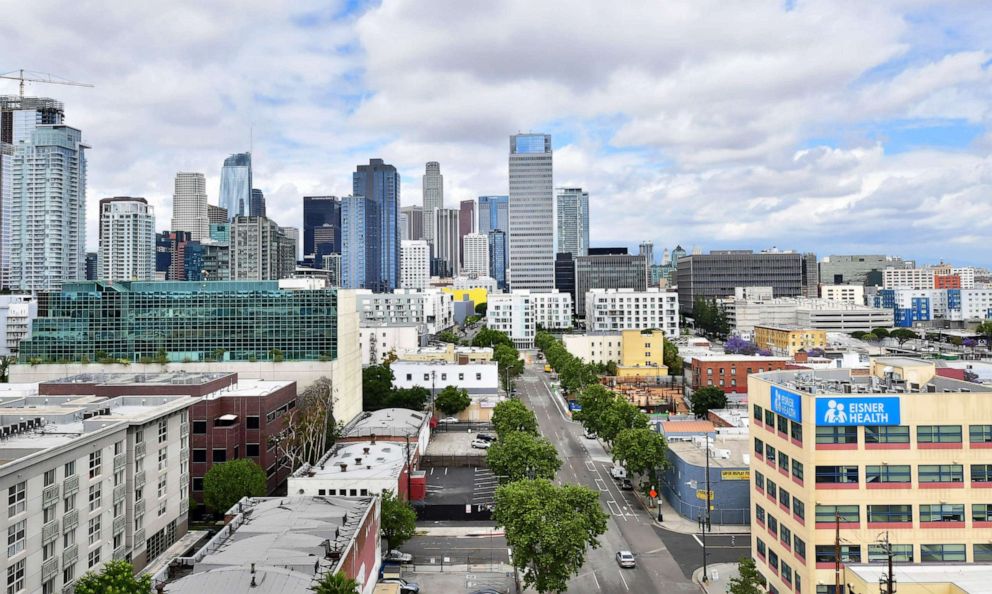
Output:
x=321 y=227
x=257 y=207
x=531 y=210
x=497 y=257
x=6 y=190
x=47 y=194
x=354 y=240
x=445 y=252
x=493 y=213
x=189 y=205
x=261 y=250
x=475 y=254
x=433 y=197
x=646 y=249
x=412 y=222
x=466 y=225
x=217 y=214
x=379 y=183
x=415 y=269
x=127 y=240
x=573 y=221
x=235 y=185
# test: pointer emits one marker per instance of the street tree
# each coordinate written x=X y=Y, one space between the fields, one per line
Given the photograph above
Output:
x=593 y=400
x=512 y=415
x=488 y=337
x=310 y=429
x=881 y=332
x=672 y=359
x=641 y=451
x=748 y=580
x=398 y=520
x=617 y=416
x=226 y=483
x=336 y=583
x=519 y=455
x=706 y=399
x=903 y=335
x=481 y=308
x=549 y=529
x=116 y=577
x=413 y=398
x=985 y=329
x=509 y=364
x=452 y=400
x=377 y=384
x=448 y=336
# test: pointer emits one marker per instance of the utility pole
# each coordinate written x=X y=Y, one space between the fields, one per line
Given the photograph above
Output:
x=707 y=499
x=409 y=470
x=887 y=581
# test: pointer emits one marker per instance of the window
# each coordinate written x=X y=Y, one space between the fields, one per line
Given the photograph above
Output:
x=878 y=434
x=942 y=512
x=769 y=453
x=759 y=480
x=799 y=545
x=980 y=433
x=783 y=424
x=220 y=455
x=783 y=462
x=48 y=514
x=983 y=552
x=785 y=534
x=478 y=377
x=773 y=559
x=48 y=587
x=444 y=377
x=69 y=503
x=759 y=513
x=757 y=413
x=941 y=473
x=784 y=498
x=796 y=431
x=890 y=513
x=786 y=573
x=769 y=418
x=798 y=508
x=197 y=483
x=836 y=474
x=49 y=477
x=162 y=508
x=835 y=435
x=96 y=463
x=759 y=447
x=797 y=470
x=771 y=488
x=94 y=530
x=252 y=422
x=163 y=455
x=848 y=554
x=772 y=525
x=941 y=553
x=199 y=427
x=48 y=551
x=15 y=538
x=901 y=553
x=15 y=499
x=251 y=450
x=981 y=512
x=94 y=497
x=762 y=549
x=68 y=574
x=199 y=455
x=981 y=473
x=828 y=514
x=938 y=434
x=94 y=558
x=163 y=430
x=888 y=474
x=163 y=485
x=15 y=577
x=70 y=468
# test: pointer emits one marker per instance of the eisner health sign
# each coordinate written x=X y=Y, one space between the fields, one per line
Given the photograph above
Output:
x=871 y=410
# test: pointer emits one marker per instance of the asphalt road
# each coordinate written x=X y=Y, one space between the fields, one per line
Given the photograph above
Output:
x=433 y=550
x=687 y=549
x=584 y=462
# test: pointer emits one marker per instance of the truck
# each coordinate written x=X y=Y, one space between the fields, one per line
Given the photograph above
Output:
x=618 y=472
x=547 y=368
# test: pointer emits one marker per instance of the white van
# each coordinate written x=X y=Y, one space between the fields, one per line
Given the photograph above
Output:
x=618 y=472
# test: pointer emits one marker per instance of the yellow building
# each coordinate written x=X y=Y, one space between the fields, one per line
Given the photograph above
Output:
x=936 y=578
x=788 y=340
x=642 y=354
x=477 y=295
x=899 y=450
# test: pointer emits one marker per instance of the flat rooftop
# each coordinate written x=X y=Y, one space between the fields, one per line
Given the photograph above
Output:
x=384 y=460
x=247 y=388
x=387 y=422
x=725 y=452
x=171 y=378
x=722 y=357
x=973 y=578
x=841 y=381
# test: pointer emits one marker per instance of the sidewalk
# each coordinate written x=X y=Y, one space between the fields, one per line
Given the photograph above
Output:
x=676 y=523
x=724 y=572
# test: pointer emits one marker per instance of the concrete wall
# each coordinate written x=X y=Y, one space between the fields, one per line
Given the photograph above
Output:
x=731 y=498
x=445 y=374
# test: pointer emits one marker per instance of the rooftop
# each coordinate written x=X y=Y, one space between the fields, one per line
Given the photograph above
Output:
x=171 y=378
x=387 y=422
x=725 y=452
x=384 y=460
x=718 y=357
x=972 y=578
x=247 y=388
x=843 y=381
x=788 y=327
x=672 y=427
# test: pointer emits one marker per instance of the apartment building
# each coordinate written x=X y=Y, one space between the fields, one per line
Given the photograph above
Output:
x=610 y=310
x=432 y=310
x=844 y=293
x=730 y=372
x=520 y=312
x=789 y=340
x=821 y=314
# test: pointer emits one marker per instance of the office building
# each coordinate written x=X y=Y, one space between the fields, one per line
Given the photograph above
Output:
x=611 y=310
x=900 y=452
x=717 y=274
x=170 y=252
x=744 y=313
x=432 y=311
x=433 y=197
x=220 y=232
x=260 y=250
x=46 y=211
x=6 y=191
x=494 y=213
x=257 y=206
x=412 y=223
x=207 y=261
x=127 y=240
x=519 y=312
x=615 y=271
x=321 y=227
x=466 y=225
x=857 y=269
x=354 y=241
x=415 y=265
x=92 y=264
x=530 y=236
x=190 y=211
x=498 y=257
x=787 y=340
x=573 y=221
x=646 y=249
x=377 y=343
x=17 y=313
x=845 y=293
x=446 y=243
x=487 y=283
x=217 y=215
x=476 y=254
x=235 y=185
x=730 y=372
x=379 y=184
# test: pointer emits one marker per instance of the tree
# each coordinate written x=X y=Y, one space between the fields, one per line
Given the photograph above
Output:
x=957 y=340
x=226 y=483
x=736 y=345
x=487 y=337
x=452 y=400
x=481 y=308
x=748 y=580
x=518 y=455
x=116 y=577
x=903 y=335
x=336 y=583
x=620 y=415
x=640 y=450
x=377 y=383
x=593 y=400
x=509 y=364
x=672 y=359
x=880 y=332
x=398 y=521
x=5 y=363
x=414 y=398
x=869 y=337
x=985 y=329
x=858 y=334
x=448 y=336
x=310 y=429
x=706 y=399
x=512 y=415
x=549 y=529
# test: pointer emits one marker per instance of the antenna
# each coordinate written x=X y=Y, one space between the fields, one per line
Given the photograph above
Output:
x=40 y=77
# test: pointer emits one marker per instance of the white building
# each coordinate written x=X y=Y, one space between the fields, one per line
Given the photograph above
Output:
x=594 y=348
x=552 y=310
x=611 y=310
x=415 y=264
x=431 y=310
x=127 y=240
x=976 y=304
x=378 y=342
x=476 y=282
x=907 y=278
x=391 y=424
x=967 y=275
x=17 y=312
x=478 y=379
x=189 y=206
x=476 y=250
x=90 y=480
x=519 y=312
x=821 y=314
x=531 y=213
x=354 y=469
x=845 y=293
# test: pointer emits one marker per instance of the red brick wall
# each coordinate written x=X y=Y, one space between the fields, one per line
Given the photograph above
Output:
x=733 y=373
x=364 y=549
x=946 y=281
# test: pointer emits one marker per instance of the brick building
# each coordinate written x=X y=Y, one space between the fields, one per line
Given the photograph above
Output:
x=729 y=372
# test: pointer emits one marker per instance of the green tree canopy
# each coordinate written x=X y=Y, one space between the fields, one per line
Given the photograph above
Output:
x=509 y=364
x=452 y=400
x=620 y=415
x=512 y=415
x=859 y=334
x=549 y=529
x=672 y=359
x=398 y=522
x=116 y=577
x=377 y=384
x=226 y=483
x=594 y=400
x=903 y=335
x=880 y=332
x=336 y=583
x=985 y=329
x=414 y=398
x=706 y=399
x=519 y=455
x=481 y=308
x=748 y=580
x=641 y=450
x=448 y=336
x=487 y=337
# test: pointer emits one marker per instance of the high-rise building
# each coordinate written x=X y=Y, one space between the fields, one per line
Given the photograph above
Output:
x=565 y=274
x=47 y=194
x=217 y=215
x=531 y=210
x=614 y=271
x=646 y=249
x=354 y=241
x=321 y=227
x=494 y=213
x=6 y=191
x=433 y=197
x=92 y=260
x=466 y=225
x=235 y=185
x=573 y=221
x=257 y=206
x=475 y=247
x=207 y=261
x=854 y=270
x=379 y=183
x=127 y=240
x=445 y=252
x=190 y=210
x=497 y=256
x=415 y=268
x=412 y=222
x=293 y=233
x=260 y=250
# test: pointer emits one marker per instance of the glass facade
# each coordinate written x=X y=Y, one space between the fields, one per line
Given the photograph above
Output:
x=187 y=321
x=235 y=185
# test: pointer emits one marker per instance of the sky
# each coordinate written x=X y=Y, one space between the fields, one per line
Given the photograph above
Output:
x=835 y=126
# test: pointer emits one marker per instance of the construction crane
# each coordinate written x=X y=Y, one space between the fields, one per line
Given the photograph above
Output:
x=35 y=77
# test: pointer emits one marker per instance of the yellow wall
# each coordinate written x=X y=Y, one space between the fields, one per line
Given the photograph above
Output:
x=642 y=348
x=477 y=295
x=909 y=370
x=788 y=341
x=449 y=354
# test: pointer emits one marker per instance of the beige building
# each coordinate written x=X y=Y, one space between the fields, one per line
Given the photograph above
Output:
x=448 y=353
x=788 y=340
x=844 y=293
x=897 y=451
x=637 y=353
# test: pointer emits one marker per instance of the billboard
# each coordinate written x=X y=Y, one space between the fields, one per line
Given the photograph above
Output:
x=862 y=410
x=788 y=404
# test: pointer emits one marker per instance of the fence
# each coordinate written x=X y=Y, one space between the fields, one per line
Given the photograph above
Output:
x=453 y=460
x=453 y=512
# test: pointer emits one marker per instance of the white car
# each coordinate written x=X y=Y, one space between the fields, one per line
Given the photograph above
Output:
x=626 y=559
x=481 y=444
x=618 y=472
x=449 y=420
x=397 y=556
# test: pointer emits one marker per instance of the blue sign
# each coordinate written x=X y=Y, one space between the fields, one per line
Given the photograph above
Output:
x=574 y=406
x=788 y=404
x=868 y=410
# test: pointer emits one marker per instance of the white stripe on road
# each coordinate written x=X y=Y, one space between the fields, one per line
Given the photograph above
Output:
x=591 y=467
x=623 y=580
x=601 y=486
x=696 y=538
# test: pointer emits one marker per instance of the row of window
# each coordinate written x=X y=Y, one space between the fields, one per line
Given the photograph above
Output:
x=935 y=512
x=780 y=566
x=784 y=463
x=904 y=553
x=252 y=450
x=900 y=434
x=774 y=422
x=901 y=473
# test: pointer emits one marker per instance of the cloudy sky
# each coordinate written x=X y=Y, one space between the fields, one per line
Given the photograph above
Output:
x=826 y=126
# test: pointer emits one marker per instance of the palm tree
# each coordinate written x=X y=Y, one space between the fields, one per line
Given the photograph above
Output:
x=336 y=583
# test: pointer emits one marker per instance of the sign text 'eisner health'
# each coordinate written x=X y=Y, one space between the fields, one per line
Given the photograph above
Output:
x=878 y=410
x=788 y=404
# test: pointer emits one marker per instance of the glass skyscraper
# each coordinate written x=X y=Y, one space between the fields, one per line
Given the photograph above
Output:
x=497 y=257
x=235 y=185
x=494 y=213
x=321 y=227
x=573 y=221
x=354 y=225
x=379 y=184
x=257 y=207
x=530 y=236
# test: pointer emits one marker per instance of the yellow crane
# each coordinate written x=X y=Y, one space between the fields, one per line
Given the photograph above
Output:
x=50 y=79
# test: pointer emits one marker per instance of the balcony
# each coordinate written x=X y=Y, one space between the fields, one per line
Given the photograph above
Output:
x=50 y=531
x=139 y=539
x=119 y=524
x=49 y=568
x=139 y=480
x=120 y=552
x=70 y=520
x=70 y=485
x=69 y=555
x=50 y=495
x=183 y=429
x=139 y=449
x=120 y=460
x=119 y=492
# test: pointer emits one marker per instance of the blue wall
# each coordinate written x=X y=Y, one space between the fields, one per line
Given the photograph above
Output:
x=731 y=499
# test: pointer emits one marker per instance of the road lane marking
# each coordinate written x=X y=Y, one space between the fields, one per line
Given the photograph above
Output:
x=591 y=467
x=623 y=580
x=696 y=538
x=601 y=486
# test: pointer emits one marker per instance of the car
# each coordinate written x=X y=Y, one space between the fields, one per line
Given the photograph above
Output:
x=486 y=437
x=486 y=591
x=626 y=559
x=405 y=586
x=618 y=472
x=449 y=420
x=626 y=485
x=481 y=444
x=397 y=557
x=589 y=435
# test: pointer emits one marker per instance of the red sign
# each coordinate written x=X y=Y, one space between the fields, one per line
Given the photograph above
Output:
x=653 y=493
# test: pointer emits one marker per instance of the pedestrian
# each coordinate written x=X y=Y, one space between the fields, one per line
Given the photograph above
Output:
x=733 y=540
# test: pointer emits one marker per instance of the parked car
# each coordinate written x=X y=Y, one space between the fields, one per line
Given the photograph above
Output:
x=481 y=444
x=405 y=586
x=626 y=485
x=486 y=437
x=397 y=556
x=626 y=559
x=618 y=472
x=589 y=435
x=449 y=420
